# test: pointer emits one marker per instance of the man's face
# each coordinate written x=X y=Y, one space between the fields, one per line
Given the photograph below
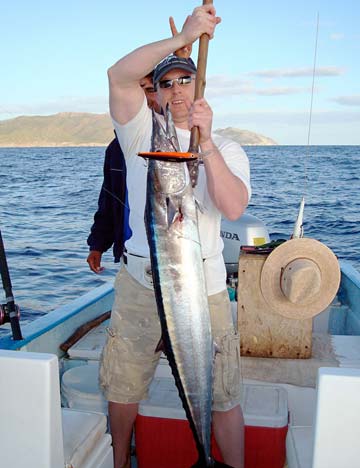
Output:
x=150 y=93
x=178 y=96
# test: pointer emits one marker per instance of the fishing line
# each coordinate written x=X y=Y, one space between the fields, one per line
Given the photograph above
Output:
x=116 y=198
x=298 y=227
x=307 y=157
x=125 y=205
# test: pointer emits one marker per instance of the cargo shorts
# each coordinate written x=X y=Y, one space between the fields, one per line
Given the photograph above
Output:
x=129 y=360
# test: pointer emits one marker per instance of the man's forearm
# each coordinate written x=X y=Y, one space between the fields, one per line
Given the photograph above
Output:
x=134 y=66
x=227 y=191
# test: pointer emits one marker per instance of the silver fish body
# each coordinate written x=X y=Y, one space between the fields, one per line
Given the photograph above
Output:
x=180 y=289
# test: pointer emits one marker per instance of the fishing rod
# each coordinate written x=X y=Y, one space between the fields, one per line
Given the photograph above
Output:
x=298 y=227
x=9 y=312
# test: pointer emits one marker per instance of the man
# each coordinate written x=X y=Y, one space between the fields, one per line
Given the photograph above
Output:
x=111 y=220
x=128 y=360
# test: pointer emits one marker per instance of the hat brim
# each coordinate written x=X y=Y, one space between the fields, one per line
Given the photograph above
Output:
x=180 y=66
x=278 y=260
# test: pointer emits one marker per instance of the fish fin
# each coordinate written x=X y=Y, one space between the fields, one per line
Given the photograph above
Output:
x=199 y=206
x=160 y=346
x=173 y=212
x=216 y=348
x=170 y=212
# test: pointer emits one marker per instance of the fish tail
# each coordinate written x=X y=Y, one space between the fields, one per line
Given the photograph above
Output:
x=201 y=463
x=220 y=465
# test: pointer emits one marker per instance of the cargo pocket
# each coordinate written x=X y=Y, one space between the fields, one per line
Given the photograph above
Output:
x=227 y=374
x=107 y=360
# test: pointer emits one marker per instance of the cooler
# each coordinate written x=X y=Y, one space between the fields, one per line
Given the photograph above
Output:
x=86 y=444
x=163 y=436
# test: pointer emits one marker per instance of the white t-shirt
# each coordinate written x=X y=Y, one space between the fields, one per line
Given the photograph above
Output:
x=135 y=136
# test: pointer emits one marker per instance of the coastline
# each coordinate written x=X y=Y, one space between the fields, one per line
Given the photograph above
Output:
x=53 y=145
x=71 y=129
x=104 y=145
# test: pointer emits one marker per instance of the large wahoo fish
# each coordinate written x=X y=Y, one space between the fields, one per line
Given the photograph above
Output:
x=179 y=282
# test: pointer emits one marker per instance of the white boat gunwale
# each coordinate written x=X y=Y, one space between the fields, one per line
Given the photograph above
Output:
x=80 y=310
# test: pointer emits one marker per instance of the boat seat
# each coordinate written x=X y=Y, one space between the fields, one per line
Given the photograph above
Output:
x=34 y=431
x=332 y=441
x=327 y=351
x=90 y=346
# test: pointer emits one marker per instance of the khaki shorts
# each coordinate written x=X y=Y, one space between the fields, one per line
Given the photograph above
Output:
x=128 y=361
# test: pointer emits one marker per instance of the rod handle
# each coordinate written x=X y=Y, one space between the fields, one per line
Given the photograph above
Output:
x=200 y=82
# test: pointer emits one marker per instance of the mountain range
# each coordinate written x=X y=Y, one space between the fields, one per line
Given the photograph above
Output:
x=85 y=129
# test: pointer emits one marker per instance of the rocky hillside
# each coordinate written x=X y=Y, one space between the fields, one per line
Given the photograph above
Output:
x=245 y=137
x=84 y=129
x=64 y=129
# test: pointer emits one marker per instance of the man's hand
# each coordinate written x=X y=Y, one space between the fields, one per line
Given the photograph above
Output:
x=94 y=261
x=185 y=51
x=203 y=20
x=201 y=115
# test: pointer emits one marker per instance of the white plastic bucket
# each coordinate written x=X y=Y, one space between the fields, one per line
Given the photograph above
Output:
x=80 y=389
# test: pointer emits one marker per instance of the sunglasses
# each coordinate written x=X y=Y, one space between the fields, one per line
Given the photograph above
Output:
x=182 y=80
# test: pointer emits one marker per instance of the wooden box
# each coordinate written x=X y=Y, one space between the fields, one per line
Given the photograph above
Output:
x=263 y=332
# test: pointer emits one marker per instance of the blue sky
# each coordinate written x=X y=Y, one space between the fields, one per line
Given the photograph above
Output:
x=54 y=57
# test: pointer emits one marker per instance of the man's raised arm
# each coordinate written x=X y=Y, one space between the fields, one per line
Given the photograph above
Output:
x=126 y=96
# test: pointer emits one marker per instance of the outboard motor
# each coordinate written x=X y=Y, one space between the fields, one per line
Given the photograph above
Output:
x=247 y=230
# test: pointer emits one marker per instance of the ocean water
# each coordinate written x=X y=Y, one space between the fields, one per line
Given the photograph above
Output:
x=48 y=197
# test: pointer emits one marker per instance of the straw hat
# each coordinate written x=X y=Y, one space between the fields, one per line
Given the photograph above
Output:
x=300 y=278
